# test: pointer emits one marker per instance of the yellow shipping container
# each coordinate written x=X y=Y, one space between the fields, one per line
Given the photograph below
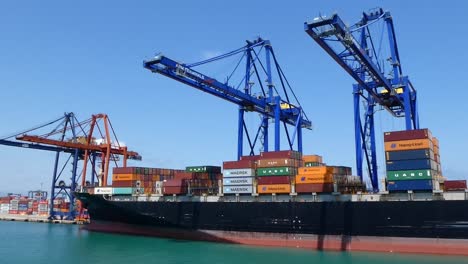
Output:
x=274 y=188
x=312 y=158
x=125 y=177
x=408 y=145
x=314 y=170
x=314 y=178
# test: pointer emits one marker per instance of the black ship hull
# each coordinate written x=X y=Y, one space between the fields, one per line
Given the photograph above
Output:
x=439 y=227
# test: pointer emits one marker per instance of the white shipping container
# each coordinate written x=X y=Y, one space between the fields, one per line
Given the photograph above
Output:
x=103 y=190
x=158 y=184
x=238 y=181
x=239 y=173
x=237 y=189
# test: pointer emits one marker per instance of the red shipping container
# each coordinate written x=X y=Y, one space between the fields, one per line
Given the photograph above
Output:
x=126 y=170
x=273 y=180
x=314 y=188
x=241 y=164
x=283 y=154
x=407 y=135
x=455 y=185
x=175 y=183
x=183 y=175
x=174 y=190
x=13 y=211
x=252 y=158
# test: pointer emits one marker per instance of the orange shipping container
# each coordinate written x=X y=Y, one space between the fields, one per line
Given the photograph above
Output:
x=156 y=178
x=408 y=145
x=314 y=178
x=274 y=188
x=268 y=163
x=312 y=158
x=435 y=142
x=314 y=170
x=125 y=177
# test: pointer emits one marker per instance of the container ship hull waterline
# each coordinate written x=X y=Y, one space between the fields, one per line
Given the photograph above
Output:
x=287 y=199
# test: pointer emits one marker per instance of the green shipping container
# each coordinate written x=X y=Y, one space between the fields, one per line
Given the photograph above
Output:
x=409 y=175
x=278 y=171
x=210 y=169
x=123 y=190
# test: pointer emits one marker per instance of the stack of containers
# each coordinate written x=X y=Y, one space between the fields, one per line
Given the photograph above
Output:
x=58 y=204
x=318 y=179
x=204 y=180
x=435 y=143
x=4 y=205
x=138 y=180
x=276 y=170
x=410 y=160
x=43 y=208
x=23 y=206
x=239 y=176
x=14 y=206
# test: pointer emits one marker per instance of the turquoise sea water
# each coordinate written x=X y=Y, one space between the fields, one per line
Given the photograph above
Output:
x=55 y=243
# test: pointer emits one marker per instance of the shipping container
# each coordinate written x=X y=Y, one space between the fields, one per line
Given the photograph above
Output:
x=410 y=175
x=211 y=169
x=123 y=184
x=315 y=188
x=274 y=180
x=183 y=175
x=274 y=188
x=270 y=163
x=241 y=164
x=252 y=158
x=313 y=164
x=170 y=190
x=421 y=164
x=238 y=173
x=238 y=181
x=278 y=171
x=175 y=183
x=283 y=154
x=126 y=177
x=103 y=190
x=314 y=178
x=409 y=154
x=455 y=185
x=408 y=145
x=125 y=170
x=413 y=185
x=237 y=189
x=407 y=135
x=312 y=159
x=314 y=170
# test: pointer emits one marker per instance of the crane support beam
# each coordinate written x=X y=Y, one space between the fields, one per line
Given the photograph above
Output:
x=179 y=72
x=35 y=146
x=80 y=146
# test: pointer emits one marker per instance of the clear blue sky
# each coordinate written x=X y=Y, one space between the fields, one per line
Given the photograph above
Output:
x=86 y=57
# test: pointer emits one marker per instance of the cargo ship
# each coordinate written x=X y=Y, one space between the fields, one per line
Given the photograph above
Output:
x=287 y=199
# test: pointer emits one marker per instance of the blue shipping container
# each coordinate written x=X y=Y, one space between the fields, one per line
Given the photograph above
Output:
x=421 y=164
x=409 y=154
x=414 y=185
x=122 y=190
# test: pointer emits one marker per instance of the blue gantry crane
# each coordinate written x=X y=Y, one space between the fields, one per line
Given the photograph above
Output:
x=358 y=50
x=279 y=105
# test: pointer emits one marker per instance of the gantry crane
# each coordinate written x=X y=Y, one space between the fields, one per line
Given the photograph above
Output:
x=267 y=102
x=357 y=50
x=78 y=140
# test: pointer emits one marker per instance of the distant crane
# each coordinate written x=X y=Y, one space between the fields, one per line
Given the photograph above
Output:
x=356 y=50
x=271 y=103
x=77 y=140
